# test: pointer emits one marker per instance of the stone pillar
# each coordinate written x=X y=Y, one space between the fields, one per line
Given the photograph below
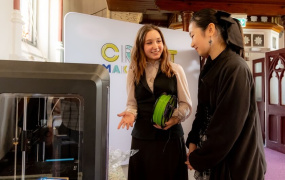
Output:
x=186 y=16
x=17 y=22
x=16 y=5
x=60 y=47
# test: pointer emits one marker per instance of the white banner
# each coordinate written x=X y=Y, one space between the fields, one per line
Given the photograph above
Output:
x=96 y=40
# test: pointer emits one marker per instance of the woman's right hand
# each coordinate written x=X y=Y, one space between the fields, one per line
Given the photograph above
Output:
x=192 y=147
x=128 y=119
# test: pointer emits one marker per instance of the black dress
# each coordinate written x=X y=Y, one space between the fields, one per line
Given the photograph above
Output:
x=162 y=153
x=226 y=127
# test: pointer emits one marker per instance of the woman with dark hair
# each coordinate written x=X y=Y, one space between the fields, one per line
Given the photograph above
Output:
x=225 y=142
x=161 y=149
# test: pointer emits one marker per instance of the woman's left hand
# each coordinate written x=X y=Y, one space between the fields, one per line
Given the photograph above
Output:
x=171 y=122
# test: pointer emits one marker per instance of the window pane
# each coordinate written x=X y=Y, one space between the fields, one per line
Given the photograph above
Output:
x=274 y=89
x=258 y=67
x=258 y=88
x=28 y=12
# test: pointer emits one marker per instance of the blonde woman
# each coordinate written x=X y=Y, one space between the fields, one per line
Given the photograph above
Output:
x=161 y=149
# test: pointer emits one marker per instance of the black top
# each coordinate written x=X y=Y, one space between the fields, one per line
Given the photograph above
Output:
x=233 y=148
x=146 y=99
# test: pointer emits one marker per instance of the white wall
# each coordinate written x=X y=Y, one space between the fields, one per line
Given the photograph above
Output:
x=43 y=28
x=54 y=45
x=282 y=40
x=6 y=9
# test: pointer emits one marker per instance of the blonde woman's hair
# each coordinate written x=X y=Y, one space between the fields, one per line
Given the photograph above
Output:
x=139 y=59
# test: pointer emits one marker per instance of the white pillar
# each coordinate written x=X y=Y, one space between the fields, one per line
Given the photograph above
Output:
x=17 y=22
x=60 y=52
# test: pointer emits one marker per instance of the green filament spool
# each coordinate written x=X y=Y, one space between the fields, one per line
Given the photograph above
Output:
x=163 y=109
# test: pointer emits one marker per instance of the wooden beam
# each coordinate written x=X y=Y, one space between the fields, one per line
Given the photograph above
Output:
x=262 y=25
x=254 y=8
x=131 y=5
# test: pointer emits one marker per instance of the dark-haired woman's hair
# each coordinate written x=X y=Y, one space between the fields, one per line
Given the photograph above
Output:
x=240 y=51
x=139 y=59
x=204 y=17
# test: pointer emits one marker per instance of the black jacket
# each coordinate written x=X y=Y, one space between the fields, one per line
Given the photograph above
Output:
x=234 y=147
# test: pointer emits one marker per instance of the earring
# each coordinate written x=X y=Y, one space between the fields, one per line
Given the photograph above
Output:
x=210 y=41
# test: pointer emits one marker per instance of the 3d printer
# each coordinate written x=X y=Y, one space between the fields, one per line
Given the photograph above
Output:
x=53 y=120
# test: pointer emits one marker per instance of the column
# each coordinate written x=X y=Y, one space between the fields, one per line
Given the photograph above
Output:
x=17 y=22
x=60 y=25
x=186 y=16
x=16 y=5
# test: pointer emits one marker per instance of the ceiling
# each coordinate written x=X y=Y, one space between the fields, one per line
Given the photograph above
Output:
x=164 y=12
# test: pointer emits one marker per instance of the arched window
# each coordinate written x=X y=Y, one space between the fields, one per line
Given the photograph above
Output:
x=28 y=11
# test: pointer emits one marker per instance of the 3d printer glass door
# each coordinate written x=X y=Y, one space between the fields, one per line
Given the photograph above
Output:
x=41 y=136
